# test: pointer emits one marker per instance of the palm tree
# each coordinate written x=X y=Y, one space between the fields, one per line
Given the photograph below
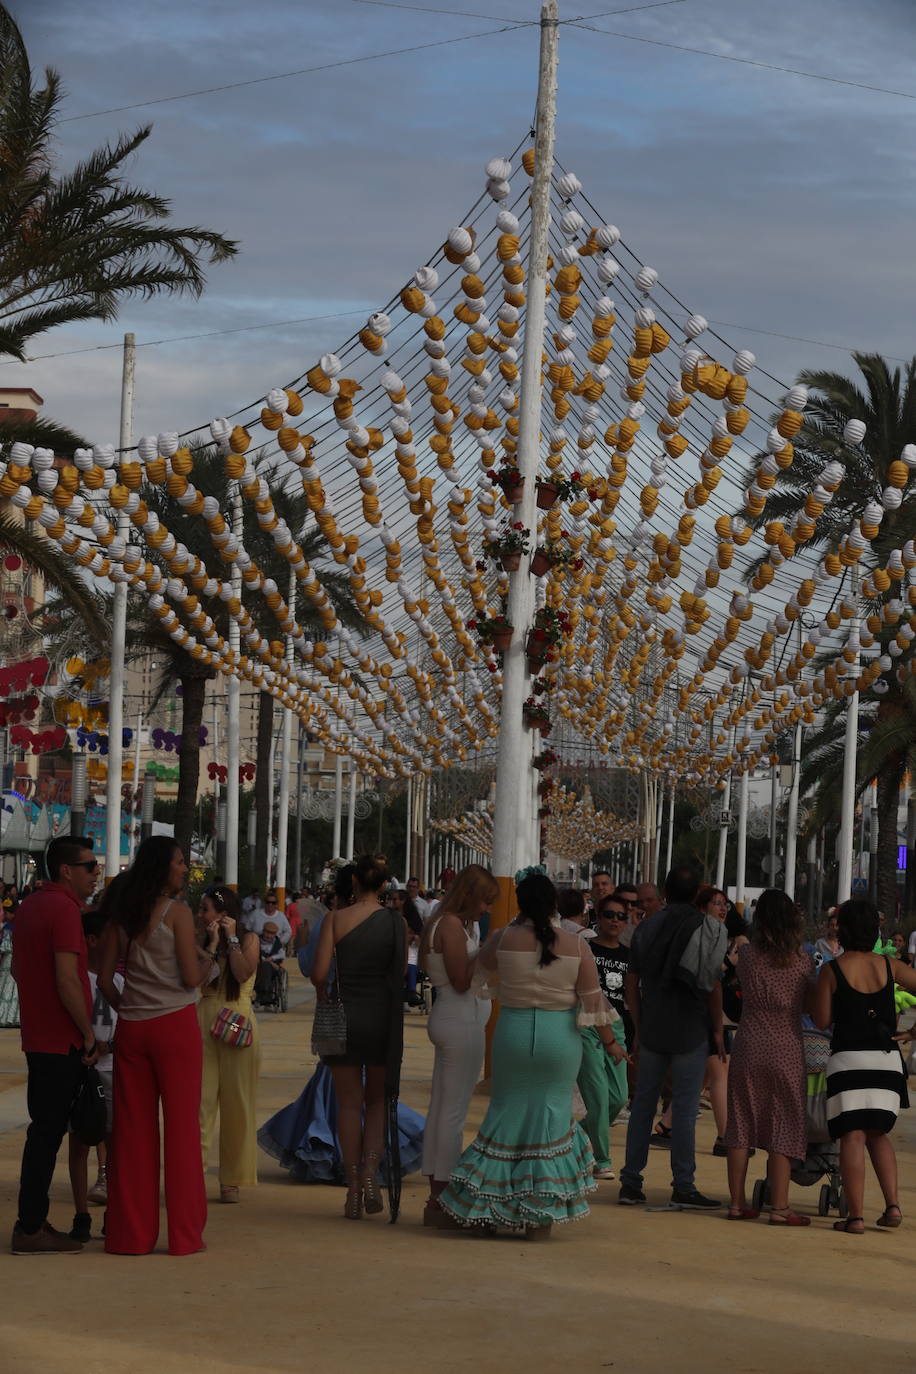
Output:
x=74 y=245
x=145 y=634
x=886 y=751
x=886 y=403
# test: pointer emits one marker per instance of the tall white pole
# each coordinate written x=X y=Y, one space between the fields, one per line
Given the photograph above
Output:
x=848 y=795
x=513 y=761
x=659 y=817
x=723 y=833
x=132 y=842
x=670 y=845
x=351 y=813
x=338 y=805
x=408 y=847
x=285 y=751
x=271 y=784
x=741 y=856
x=233 y=714
x=119 y=641
x=792 y=814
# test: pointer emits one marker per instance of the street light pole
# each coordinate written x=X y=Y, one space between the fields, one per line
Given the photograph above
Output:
x=848 y=796
x=119 y=641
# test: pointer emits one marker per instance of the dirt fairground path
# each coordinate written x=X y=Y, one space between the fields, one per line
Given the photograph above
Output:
x=288 y=1285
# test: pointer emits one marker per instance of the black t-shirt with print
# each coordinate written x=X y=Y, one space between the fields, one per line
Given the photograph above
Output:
x=612 y=965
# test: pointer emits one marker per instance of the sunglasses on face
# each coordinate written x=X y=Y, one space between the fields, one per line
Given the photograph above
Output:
x=613 y=916
x=90 y=865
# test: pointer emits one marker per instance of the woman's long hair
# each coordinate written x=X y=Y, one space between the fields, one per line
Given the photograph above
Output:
x=145 y=881
x=467 y=895
x=778 y=927
x=537 y=900
x=227 y=904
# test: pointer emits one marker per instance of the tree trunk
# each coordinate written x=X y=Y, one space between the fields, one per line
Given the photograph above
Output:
x=262 y=785
x=194 y=691
x=888 y=798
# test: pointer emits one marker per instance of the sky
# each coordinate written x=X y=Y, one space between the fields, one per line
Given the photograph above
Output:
x=766 y=201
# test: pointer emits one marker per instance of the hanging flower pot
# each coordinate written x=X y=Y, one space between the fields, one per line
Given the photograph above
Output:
x=515 y=493
x=501 y=639
x=536 y=646
x=540 y=563
x=510 y=561
x=547 y=495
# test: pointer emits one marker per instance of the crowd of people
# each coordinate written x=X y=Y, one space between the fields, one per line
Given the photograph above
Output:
x=617 y=1005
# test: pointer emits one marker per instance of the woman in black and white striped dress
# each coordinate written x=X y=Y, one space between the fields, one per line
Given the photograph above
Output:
x=866 y=1082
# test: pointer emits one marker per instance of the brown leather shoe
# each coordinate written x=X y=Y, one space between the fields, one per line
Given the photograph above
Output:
x=44 y=1241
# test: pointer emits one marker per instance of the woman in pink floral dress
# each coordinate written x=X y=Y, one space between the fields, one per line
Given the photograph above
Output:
x=766 y=1077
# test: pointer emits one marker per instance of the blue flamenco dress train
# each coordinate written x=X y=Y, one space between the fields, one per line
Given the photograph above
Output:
x=302 y=1136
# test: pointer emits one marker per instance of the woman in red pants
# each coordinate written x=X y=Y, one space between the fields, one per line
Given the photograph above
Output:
x=158 y=1057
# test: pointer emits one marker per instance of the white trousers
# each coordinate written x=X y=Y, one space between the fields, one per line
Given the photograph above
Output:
x=457 y=1024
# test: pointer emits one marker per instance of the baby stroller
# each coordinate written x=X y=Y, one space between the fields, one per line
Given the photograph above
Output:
x=822 y=1158
x=271 y=987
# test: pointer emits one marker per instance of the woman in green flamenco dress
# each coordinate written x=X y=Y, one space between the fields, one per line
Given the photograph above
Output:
x=531 y=1164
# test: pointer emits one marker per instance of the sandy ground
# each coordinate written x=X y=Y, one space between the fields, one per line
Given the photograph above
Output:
x=287 y=1284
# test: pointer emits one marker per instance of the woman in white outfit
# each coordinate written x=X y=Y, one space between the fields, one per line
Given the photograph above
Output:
x=457 y=1024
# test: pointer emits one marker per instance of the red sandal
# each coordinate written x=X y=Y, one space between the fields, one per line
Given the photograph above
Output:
x=742 y=1214
x=784 y=1216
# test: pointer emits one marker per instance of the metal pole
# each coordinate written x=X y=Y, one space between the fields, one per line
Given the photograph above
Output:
x=285 y=752
x=132 y=843
x=300 y=760
x=741 y=855
x=670 y=845
x=873 y=840
x=351 y=813
x=513 y=758
x=408 y=849
x=848 y=795
x=659 y=817
x=812 y=878
x=774 y=803
x=233 y=712
x=78 y=794
x=271 y=792
x=792 y=814
x=148 y=802
x=338 y=805
x=119 y=641
x=723 y=833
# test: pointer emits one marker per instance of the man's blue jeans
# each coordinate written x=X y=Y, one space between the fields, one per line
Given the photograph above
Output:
x=687 y=1072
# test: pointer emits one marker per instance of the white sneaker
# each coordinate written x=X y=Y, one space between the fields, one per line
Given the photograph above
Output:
x=622 y=1118
x=99 y=1190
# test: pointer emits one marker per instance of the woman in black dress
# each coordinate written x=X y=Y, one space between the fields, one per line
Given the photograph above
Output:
x=369 y=941
x=866 y=1083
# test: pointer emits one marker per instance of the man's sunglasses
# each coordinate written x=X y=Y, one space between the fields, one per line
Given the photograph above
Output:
x=90 y=865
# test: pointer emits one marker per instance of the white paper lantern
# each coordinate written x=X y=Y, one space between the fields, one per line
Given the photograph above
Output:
x=645 y=279
x=853 y=432
x=569 y=185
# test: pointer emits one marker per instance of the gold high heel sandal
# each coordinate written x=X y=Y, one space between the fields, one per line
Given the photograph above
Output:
x=353 y=1207
x=371 y=1192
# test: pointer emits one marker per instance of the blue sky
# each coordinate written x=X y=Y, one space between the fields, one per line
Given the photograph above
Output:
x=763 y=199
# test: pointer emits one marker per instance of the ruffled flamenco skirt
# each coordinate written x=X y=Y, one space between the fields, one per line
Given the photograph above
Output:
x=530 y=1164
x=303 y=1136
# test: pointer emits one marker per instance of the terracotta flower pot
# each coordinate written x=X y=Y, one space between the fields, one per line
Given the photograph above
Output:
x=510 y=561
x=536 y=646
x=501 y=639
x=540 y=563
x=514 y=494
x=547 y=495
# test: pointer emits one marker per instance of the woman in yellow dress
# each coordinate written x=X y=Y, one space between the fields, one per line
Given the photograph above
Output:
x=230 y=1076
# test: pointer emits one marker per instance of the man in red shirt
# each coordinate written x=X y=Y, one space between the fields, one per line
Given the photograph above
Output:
x=50 y=965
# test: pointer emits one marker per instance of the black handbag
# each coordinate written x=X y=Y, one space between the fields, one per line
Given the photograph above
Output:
x=89 y=1111
x=329 y=1027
